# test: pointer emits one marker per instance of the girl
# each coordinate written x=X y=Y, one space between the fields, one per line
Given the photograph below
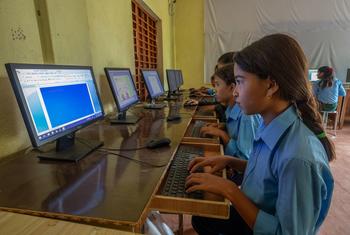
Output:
x=328 y=89
x=241 y=128
x=287 y=186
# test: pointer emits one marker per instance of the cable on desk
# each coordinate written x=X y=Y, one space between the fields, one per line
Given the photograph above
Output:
x=132 y=159
x=123 y=156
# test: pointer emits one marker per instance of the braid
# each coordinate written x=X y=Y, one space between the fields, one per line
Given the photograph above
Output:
x=312 y=119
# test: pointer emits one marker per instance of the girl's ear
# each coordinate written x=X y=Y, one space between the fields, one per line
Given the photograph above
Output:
x=272 y=87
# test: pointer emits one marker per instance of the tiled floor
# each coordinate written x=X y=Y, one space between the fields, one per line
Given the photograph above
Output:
x=338 y=219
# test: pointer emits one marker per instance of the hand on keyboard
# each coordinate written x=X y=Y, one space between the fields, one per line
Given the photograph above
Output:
x=217 y=163
x=191 y=102
x=207 y=182
x=211 y=131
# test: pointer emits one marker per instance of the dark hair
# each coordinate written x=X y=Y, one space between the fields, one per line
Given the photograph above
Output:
x=280 y=58
x=226 y=58
x=327 y=78
x=226 y=73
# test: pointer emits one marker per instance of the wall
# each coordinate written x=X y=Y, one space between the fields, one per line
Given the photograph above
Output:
x=84 y=32
x=189 y=41
x=20 y=42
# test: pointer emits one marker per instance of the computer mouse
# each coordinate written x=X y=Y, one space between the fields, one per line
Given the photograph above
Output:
x=155 y=143
x=173 y=118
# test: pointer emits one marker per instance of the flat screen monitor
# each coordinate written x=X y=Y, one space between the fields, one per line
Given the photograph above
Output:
x=179 y=78
x=348 y=76
x=55 y=102
x=152 y=81
x=313 y=75
x=124 y=92
x=172 y=79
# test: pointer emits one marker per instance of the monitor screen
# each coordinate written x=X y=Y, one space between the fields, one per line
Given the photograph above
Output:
x=348 y=76
x=123 y=87
x=55 y=100
x=313 y=75
x=152 y=81
x=179 y=78
x=172 y=80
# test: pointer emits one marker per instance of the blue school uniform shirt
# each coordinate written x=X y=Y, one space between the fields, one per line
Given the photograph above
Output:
x=288 y=178
x=241 y=129
x=329 y=95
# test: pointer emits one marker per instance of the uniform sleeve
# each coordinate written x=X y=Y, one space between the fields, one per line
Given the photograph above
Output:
x=341 y=90
x=301 y=193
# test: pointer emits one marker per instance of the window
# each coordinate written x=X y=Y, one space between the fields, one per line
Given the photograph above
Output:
x=145 y=44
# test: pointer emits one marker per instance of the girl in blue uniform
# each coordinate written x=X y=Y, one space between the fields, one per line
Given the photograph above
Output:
x=328 y=89
x=287 y=186
x=238 y=135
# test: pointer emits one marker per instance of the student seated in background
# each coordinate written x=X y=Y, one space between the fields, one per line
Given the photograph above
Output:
x=288 y=185
x=328 y=89
x=240 y=129
x=214 y=105
x=224 y=59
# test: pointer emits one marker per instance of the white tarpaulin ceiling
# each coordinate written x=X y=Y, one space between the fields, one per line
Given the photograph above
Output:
x=322 y=27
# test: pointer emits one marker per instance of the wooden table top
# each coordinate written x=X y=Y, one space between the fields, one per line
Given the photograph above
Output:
x=101 y=188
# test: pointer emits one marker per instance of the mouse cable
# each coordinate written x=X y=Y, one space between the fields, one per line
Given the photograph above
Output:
x=123 y=156
x=132 y=159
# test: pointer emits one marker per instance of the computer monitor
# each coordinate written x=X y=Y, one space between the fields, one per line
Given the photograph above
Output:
x=179 y=77
x=55 y=102
x=348 y=76
x=152 y=82
x=124 y=93
x=313 y=75
x=172 y=80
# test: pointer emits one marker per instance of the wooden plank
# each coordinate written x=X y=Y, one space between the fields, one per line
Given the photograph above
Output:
x=13 y=223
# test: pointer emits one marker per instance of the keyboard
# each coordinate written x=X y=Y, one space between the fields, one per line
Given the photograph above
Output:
x=204 y=113
x=196 y=128
x=154 y=106
x=208 y=99
x=175 y=182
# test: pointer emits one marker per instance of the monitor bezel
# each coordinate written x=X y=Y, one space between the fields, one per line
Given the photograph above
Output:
x=145 y=70
x=21 y=101
x=167 y=77
x=106 y=69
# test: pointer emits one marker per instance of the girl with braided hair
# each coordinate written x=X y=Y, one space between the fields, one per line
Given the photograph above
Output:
x=287 y=186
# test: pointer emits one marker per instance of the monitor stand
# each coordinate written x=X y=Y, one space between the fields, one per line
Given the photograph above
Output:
x=153 y=105
x=67 y=149
x=169 y=97
x=122 y=118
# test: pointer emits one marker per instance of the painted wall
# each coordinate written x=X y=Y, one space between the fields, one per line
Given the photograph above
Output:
x=20 y=42
x=69 y=31
x=189 y=41
x=86 y=32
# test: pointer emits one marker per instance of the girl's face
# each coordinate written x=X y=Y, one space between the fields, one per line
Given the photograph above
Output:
x=319 y=75
x=224 y=92
x=251 y=92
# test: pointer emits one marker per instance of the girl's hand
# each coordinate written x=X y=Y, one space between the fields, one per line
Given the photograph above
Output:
x=209 y=130
x=209 y=183
x=216 y=163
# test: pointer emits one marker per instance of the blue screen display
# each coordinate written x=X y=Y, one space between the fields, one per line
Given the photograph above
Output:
x=59 y=99
x=73 y=99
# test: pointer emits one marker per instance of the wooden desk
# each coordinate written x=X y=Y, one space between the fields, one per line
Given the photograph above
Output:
x=101 y=189
x=9 y=224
